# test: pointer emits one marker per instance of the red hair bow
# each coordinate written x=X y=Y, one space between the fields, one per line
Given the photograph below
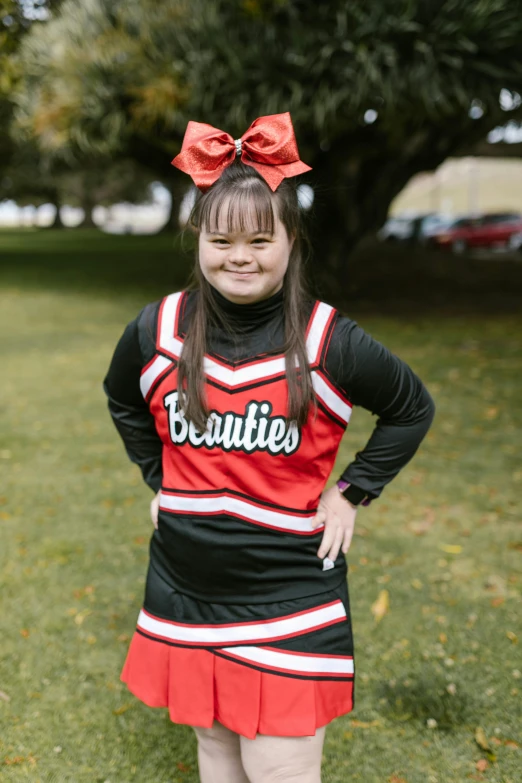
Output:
x=269 y=146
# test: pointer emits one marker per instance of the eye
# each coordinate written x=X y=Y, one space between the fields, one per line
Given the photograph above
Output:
x=262 y=240
x=219 y=241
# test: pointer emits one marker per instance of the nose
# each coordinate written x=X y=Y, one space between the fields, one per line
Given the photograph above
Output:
x=240 y=255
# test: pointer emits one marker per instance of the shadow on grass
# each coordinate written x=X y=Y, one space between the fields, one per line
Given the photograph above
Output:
x=396 y=280
x=93 y=262
x=423 y=697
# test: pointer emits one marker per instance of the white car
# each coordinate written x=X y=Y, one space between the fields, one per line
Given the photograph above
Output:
x=413 y=228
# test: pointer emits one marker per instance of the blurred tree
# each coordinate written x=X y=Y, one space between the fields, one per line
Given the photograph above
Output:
x=124 y=180
x=27 y=181
x=20 y=163
x=377 y=91
x=91 y=94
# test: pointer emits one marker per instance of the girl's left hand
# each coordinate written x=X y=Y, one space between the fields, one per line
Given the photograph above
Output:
x=338 y=516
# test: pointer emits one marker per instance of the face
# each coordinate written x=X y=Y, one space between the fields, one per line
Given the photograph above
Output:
x=245 y=266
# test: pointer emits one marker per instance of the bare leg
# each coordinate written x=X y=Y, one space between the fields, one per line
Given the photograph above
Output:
x=219 y=755
x=283 y=759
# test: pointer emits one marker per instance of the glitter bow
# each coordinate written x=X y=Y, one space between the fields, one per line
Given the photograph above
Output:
x=269 y=146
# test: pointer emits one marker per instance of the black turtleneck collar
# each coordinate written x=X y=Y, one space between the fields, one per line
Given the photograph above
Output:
x=252 y=313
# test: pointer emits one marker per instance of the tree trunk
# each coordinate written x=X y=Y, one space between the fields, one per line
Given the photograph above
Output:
x=87 y=206
x=176 y=193
x=57 y=223
x=353 y=193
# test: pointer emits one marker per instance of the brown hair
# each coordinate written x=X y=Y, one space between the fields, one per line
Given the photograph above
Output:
x=245 y=189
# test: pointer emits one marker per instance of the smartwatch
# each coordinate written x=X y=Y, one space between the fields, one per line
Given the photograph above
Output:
x=353 y=495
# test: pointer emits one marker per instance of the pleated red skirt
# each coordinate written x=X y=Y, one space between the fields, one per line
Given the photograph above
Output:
x=285 y=674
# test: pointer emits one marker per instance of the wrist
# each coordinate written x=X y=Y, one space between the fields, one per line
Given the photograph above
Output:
x=355 y=496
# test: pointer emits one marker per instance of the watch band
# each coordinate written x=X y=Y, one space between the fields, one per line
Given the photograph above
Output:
x=353 y=495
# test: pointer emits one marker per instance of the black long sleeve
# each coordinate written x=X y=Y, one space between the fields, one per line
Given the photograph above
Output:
x=129 y=411
x=366 y=372
x=374 y=378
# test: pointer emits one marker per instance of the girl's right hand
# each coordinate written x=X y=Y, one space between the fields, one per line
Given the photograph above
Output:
x=154 y=508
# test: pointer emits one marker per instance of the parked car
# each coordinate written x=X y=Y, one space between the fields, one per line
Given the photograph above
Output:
x=413 y=228
x=493 y=230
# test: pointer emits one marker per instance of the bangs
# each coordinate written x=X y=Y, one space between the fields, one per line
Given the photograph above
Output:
x=247 y=208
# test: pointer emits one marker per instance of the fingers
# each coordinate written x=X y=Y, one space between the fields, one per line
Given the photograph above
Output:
x=347 y=540
x=319 y=519
x=331 y=543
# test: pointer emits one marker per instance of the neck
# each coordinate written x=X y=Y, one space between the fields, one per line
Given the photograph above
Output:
x=250 y=313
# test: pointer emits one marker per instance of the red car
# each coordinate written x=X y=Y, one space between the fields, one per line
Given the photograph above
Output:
x=501 y=229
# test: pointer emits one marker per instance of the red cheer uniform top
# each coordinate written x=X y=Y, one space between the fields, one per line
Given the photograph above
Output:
x=237 y=500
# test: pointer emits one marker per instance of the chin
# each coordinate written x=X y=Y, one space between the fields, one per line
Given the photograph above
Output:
x=242 y=288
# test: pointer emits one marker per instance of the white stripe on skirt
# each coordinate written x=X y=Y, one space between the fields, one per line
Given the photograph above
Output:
x=243 y=632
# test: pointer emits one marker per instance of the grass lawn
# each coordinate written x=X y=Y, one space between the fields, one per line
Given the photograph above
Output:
x=444 y=541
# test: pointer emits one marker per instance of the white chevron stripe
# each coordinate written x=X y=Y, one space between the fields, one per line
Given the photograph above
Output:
x=243 y=375
x=240 y=375
x=259 y=370
x=167 y=341
x=152 y=373
x=315 y=334
x=330 y=398
x=225 y=504
x=294 y=663
x=243 y=632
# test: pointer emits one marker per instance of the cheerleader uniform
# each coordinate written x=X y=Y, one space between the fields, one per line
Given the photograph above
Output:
x=242 y=622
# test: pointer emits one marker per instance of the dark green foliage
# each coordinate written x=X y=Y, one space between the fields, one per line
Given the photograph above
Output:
x=112 y=78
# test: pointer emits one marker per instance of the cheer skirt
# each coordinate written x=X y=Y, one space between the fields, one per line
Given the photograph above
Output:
x=282 y=669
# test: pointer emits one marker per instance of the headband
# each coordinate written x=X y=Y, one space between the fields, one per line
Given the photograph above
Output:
x=269 y=146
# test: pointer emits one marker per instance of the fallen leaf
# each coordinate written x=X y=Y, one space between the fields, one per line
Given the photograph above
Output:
x=80 y=617
x=511 y=744
x=24 y=632
x=416 y=584
x=481 y=739
x=363 y=724
x=123 y=708
x=491 y=413
x=483 y=743
x=183 y=767
x=381 y=606
x=498 y=601
x=512 y=637
x=14 y=760
x=481 y=765
x=420 y=528
x=451 y=549
x=395 y=779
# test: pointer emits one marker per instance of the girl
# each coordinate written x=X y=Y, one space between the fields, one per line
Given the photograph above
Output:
x=232 y=396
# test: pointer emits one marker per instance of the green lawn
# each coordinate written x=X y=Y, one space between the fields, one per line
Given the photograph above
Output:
x=444 y=541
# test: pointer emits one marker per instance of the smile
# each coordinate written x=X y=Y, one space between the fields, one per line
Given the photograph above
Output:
x=241 y=274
